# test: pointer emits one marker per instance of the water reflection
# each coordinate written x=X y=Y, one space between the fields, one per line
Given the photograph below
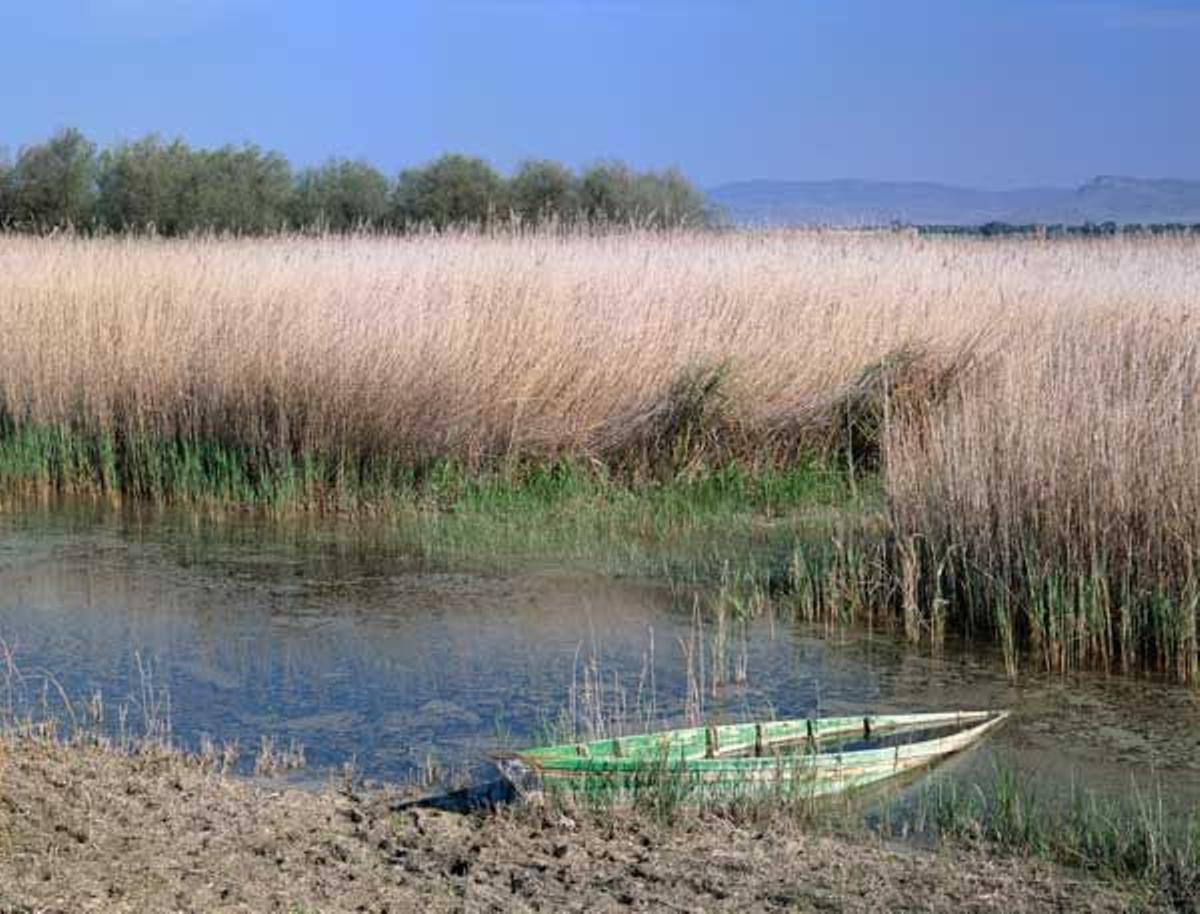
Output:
x=367 y=652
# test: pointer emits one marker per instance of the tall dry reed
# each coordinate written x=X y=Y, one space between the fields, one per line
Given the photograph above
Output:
x=1031 y=402
x=630 y=349
x=1060 y=485
x=478 y=348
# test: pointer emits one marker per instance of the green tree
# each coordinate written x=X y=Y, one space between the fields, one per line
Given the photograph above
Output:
x=173 y=189
x=613 y=192
x=341 y=196
x=147 y=185
x=6 y=202
x=452 y=190
x=542 y=190
x=240 y=189
x=53 y=183
x=606 y=192
x=667 y=199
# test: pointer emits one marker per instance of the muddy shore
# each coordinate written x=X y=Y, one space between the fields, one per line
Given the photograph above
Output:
x=86 y=828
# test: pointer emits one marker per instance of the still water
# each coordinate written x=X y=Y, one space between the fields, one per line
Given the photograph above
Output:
x=363 y=651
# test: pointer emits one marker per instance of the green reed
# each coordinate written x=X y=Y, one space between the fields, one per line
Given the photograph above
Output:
x=809 y=539
x=1143 y=836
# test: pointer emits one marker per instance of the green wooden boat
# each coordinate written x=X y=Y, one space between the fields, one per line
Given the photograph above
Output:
x=796 y=758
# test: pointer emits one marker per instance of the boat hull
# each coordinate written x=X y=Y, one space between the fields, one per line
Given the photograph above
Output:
x=787 y=759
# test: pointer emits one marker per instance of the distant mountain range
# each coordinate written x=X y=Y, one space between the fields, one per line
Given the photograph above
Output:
x=850 y=202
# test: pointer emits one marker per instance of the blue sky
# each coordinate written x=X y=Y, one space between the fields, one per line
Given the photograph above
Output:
x=992 y=93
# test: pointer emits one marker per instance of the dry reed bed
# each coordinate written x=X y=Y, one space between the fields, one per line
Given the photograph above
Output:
x=1036 y=399
x=482 y=347
x=1058 y=490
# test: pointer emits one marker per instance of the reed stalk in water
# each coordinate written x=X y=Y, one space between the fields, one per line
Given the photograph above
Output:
x=1143 y=836
x=1061 y=482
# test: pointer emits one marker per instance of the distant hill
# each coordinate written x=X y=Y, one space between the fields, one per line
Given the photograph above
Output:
x=850 y=202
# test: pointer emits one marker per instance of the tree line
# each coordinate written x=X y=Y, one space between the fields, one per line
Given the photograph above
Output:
x=172 y=188
x=1060 y=230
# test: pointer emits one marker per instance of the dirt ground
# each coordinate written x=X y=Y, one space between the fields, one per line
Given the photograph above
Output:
x=84 y=828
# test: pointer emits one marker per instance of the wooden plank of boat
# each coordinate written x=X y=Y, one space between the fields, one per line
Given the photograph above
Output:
x=812 y=757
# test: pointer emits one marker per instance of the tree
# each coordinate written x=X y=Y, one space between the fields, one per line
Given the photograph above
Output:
x=147 y=184
x=452 y=190
x=667 y=199
x=53 y=183
x=542 y=190
x=606 y=192
x=173 y=189
x=613 y=192
x=6 y=202
x=340 y=196
x=242 y=190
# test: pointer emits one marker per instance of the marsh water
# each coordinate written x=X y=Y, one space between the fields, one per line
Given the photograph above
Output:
x=366 y=651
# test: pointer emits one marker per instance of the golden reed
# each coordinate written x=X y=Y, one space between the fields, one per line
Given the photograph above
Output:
x=1038 y=427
